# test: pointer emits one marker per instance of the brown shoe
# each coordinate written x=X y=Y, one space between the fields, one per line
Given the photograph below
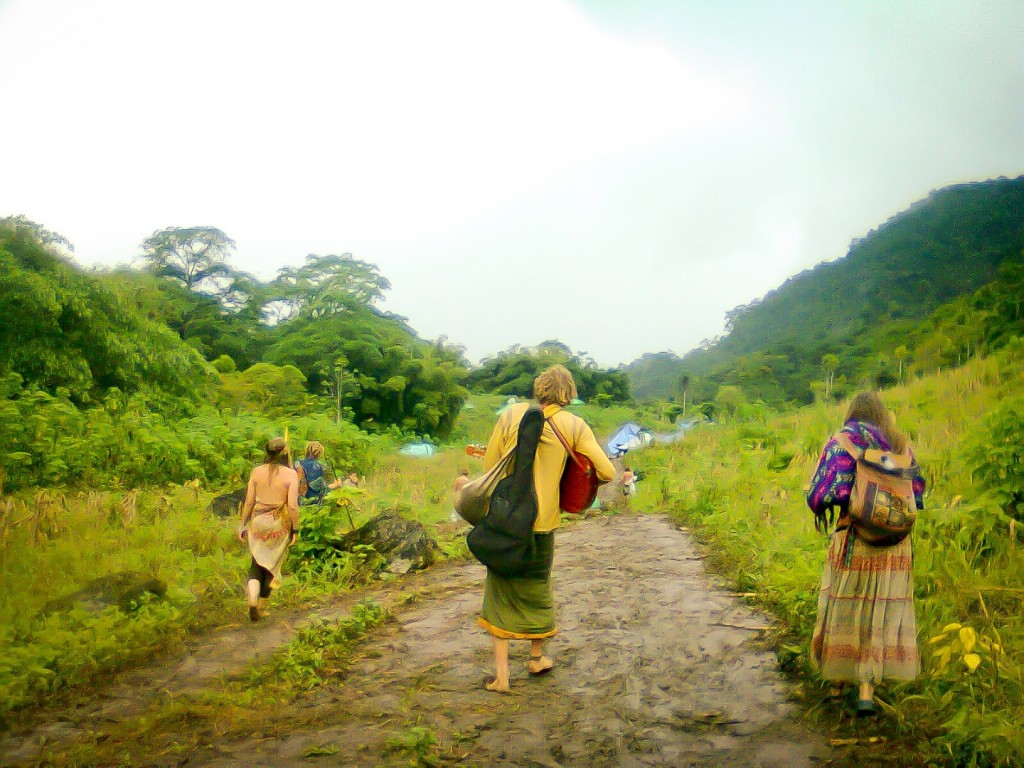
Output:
x=254 y=613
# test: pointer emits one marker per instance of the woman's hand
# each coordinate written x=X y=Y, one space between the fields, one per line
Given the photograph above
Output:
x=295 y=537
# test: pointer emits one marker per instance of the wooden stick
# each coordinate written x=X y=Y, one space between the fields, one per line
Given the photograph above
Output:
x=739 y=626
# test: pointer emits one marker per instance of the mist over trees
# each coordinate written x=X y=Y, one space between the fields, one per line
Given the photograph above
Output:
x=916 y=294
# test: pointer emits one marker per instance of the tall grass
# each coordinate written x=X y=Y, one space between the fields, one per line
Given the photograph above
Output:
x=54 y=543
x=745 y=496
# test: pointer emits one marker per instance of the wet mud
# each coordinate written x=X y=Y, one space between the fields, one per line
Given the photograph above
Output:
x=655 y=665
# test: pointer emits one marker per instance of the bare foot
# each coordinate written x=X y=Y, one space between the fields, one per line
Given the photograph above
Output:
x=539 y=665
x=492 y=683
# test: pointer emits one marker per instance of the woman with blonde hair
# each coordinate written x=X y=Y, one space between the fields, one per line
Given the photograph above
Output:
x=270 y=521
x=315 y=480
x=523 y=608
x=866 y=628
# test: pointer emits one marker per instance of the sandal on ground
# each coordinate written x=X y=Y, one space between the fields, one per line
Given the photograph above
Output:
x=866 y=708
x=490 y=680
x=542 y=670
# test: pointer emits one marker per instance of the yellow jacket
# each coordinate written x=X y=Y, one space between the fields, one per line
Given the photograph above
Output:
x=551 y=456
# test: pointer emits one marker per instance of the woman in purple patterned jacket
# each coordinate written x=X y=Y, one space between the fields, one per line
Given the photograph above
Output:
x=866 y=629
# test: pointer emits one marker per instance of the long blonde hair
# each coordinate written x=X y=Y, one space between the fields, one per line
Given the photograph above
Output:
x=275 y=453
x=555 y=386
x=868 y=406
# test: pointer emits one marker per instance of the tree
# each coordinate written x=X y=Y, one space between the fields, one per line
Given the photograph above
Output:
x=325 y=285
x=70 y=331
x=684 y=384
x=901 y=353
x=44 y=237
x=729 y=398
x=340 y=381
x=829 y=364
x=192 y=255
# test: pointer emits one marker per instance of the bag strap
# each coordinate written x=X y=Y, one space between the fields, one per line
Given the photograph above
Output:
x=565 y=444
x=848 y=445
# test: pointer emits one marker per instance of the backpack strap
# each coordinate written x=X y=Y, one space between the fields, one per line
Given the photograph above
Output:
x=847 y=444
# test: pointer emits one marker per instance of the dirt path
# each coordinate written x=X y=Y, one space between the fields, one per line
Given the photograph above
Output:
x=650 y=670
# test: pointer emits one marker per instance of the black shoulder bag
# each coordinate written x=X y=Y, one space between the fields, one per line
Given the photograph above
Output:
x=503 y=540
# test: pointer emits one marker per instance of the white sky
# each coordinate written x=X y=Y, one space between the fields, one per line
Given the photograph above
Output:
x=613 y=175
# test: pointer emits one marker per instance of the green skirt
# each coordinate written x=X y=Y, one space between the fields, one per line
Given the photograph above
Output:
x=523 y=607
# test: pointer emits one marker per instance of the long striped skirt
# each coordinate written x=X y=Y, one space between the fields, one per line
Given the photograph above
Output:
x=523 y=607
x=866 y=629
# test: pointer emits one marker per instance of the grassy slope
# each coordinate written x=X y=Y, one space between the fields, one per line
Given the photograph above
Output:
x=967 y=555
x=167 y=534
x=719 y=480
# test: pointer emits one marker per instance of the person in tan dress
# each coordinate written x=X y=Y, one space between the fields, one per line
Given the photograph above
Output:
x=270 y=521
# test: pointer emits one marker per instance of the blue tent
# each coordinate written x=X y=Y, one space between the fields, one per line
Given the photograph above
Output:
x=629 y=436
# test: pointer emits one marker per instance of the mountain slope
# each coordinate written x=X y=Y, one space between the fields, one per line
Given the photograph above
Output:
x=945 y=246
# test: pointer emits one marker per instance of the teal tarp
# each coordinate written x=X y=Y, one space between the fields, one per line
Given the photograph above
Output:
x=418 y=449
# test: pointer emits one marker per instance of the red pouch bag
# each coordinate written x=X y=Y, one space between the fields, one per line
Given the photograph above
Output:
x=578 y=487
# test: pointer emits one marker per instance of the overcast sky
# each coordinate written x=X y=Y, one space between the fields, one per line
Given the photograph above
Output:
x=613 y=175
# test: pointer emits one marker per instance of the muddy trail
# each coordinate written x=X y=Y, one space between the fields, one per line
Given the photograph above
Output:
x=655 y=664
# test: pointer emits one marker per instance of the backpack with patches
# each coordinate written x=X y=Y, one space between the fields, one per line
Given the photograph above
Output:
x=882 y=506
x=503 y=539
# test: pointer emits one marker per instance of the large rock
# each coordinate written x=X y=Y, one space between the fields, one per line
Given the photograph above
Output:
x=227 y=504
x=123 y=589
x=404 y=543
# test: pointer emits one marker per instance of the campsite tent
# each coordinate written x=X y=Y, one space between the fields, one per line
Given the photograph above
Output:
x=418 y=449
x=628 y=437
x=681 y=428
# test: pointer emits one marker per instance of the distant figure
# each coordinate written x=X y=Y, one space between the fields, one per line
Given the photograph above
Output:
x=628 y=482
x=270 y=521
x=314 y=479
x=460 y=480
x=523 y=607
x=352 y=481
x=866 y=628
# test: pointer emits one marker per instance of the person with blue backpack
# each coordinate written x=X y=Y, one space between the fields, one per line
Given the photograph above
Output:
x=315 y=480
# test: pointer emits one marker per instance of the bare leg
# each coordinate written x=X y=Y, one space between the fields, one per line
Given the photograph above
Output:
x=252 y=587
x=501 y=673
x=867 y=692
x=538 y=663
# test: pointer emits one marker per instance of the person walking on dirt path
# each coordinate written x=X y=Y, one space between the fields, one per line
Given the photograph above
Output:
x=628 y=482
x=524 y=608
x=315 y=480
x=270 y=521
x=866 y=629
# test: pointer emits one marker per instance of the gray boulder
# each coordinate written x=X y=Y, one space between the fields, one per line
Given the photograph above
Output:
x=227 y=504
x=405 y=544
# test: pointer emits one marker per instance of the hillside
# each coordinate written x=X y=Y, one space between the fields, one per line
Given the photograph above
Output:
x=943 y=247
